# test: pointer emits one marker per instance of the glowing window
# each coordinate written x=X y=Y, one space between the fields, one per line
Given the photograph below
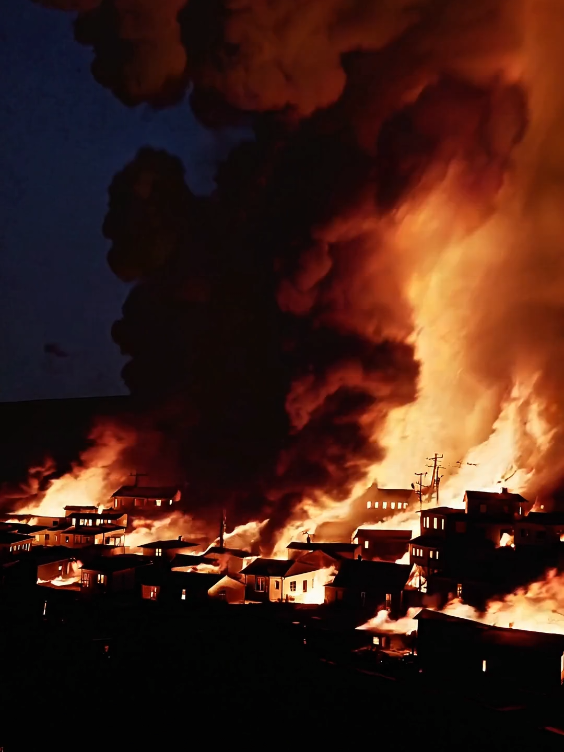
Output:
x=158 y=502
x=67 y=538
x=425 y=522
x=388 y=601
x=484 y=666
x=442 y=523
x=153 y=592
x=277 y=584
x=293 y=586
x=436 y=554
x=459 y=590
x=366 y=544
x=368 y=504
x=85 y=581
x=115 y=502
x=435 y=523
x=304 y=586
x=405 y=504
x=375 y=640
x=158 y=552
x=183 y=596
x=432 y=554
x=101 y=579
x=376 y=504
x=384 y=505
x=260 y=583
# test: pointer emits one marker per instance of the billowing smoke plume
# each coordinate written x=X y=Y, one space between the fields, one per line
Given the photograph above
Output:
x=274 y=324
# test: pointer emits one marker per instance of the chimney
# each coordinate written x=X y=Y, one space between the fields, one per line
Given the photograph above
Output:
x=179 y=537
x=504 y=490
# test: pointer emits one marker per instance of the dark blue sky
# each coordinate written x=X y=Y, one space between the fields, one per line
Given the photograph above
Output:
x=62 y=138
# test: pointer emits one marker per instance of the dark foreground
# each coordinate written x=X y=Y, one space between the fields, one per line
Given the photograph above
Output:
x=140 y=678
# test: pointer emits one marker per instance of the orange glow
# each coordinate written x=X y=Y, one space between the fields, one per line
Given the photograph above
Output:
x=382 y=623
x=322 y=577
x=71 y=578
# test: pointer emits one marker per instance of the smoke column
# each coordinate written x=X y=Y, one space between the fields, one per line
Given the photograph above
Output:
x=376 y=273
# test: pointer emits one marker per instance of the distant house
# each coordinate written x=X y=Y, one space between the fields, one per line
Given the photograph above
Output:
x=145 y=497
x=264 y=579
x=81 y=536
x=53 y=562
x=111 y=574
x=478 y=503
x=462 y=649
x=374 y=585
x=542 y=529
x=52 y=536
x=87 y=509
x=14 y=543
x=166 y=549
x=384 y=545
x=95 y=519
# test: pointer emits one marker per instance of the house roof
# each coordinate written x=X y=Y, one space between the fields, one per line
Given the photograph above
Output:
x=174 y=543
x=189 y=560
x=367 y=532
x=444 y=510
x=95 y=516
x=80 y=508
x=109 y=564
x=8 y=537
x=218 y=550
x=147 y=492
x=367 y=575
x=495 y=496
x=329 y=547
x=545 y=518
x=429 y=541
x=268 y=567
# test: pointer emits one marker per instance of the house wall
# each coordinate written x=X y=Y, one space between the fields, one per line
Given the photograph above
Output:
x=251 y=594
x=275 y=588
x=228 y=590
x=52 y=569
x=299 y=595
x=533 y=534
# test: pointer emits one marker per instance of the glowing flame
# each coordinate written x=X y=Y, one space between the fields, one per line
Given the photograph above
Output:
x=323 y=577
x=382 y=623
x=506 y=540
x=71 y=578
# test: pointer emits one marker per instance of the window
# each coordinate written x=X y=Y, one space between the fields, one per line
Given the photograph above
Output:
x=277 y=584
x=393 y=505
x=388 y=601
x=183 y=595
x=101 y=579
x=304 y=586
x=260 y=583
x=67 y=538
x=520 y=511
x=77 y=539
x=293 y=586
x=459 y=590
x=442 y=523
x=432 y=554
x=116 y=502
x=56 y=538
x=425 y=521
x=47 y=537
x=375 y=640
x=483 y=508
x=158 y=502
x=158 y=552
x=98 y=522
x=484 y=666
x=366 y=544
x=405 y=504
x=313 y=582
x=384 y=505
x=153 y=592
x=85 y=581
x=435 y=523
x=436 y=554
x=368 y=504
x=376 y=504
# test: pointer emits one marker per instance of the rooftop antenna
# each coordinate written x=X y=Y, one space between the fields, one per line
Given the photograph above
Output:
x=222 y=528
x=137 y=475
x=306 y=532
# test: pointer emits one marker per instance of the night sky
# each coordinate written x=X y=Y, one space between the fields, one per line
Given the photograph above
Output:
x=62 y=139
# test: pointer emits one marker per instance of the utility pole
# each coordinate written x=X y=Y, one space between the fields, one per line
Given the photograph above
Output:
x=222 y=528
x=437 y=482
x=137 y=476
x=433 y=484
x=420 y=491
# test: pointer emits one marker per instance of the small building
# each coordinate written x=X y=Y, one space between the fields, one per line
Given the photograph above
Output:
x=378 y=504
x=166 y=549
x=374 y=585
x=229 y=589
x=14 y=543
x=81 y=537
x=384 y=545
x=77 y=509
x=544 y=529
x=264 y=579
x=464 y=650
x=95 y=519
x=111 y=574
x=145 y=497
x=478 y=503
x=52 y=536
x=164 y=586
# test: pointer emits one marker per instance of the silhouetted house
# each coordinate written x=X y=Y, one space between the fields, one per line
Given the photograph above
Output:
x=478 y=503
x=377 y=504
x=543 y=529
x=95 y=519
x=158 y=584
x=78 y=508
x=229 y=589
x=228 y=560
x=166 y=549
x=52 y=535
x=14 y=543
x=264 y=579
x=347 y=550
x=111 y=574
x=384 y=545
x=144 y=497
x=52 y=563
x=466 y=650
x=373 y=585
x=82 y=536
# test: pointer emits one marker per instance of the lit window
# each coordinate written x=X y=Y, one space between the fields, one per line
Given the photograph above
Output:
x=384 y=505
x=183 y=596
x=432 y=554
x=376 y=504
x=56 y=538
x=277 y=584
x=459 y=590
x=293 y=586
x=158 y=502
x=115 y=502
x=101 y=579
x=98 y=522
x=520 y=510
x=375 y=640
x=484 y=666
x=436 y=554
x=260 y=583
x=366 y=544
x=304 y=586
x=85 y=581
x=435 y=523
x=153 y=592
x=388 y=601
x=425 y=522
x=158 y=552
x=405 y=504
x=442 y=523
x=368 y=504
x=67 y=538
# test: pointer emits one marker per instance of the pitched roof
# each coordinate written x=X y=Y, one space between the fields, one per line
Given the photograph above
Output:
x=367 y=575
x=496 y=496
x=218 y=550
x=79 y=508
x=268 y=567
x=174 y=543
x=403 y=493
x=7 y=537
x=147 y=492
x=110 y=564
x=429 y=541
x=329 y=547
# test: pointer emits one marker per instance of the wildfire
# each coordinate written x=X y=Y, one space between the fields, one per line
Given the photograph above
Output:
x=171 y=526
